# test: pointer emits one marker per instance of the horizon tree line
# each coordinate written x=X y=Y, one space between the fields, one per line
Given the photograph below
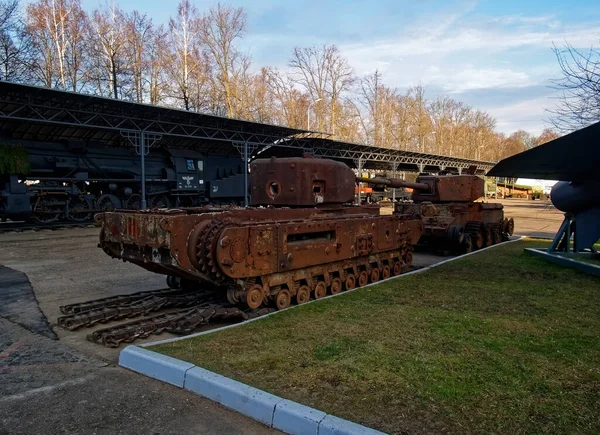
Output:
x=194 y=62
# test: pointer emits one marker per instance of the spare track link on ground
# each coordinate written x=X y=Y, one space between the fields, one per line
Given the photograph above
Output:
x=180 y=321
x=140 y=305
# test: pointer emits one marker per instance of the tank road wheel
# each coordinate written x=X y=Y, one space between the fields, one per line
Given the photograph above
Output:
x=509 y=227
x=363 y=278
x=487 y=236
x=350 y=282
x=476 y=240
x=173 y=282
x=397 y=268
x=254 y=296
x=336 y=286
x=467 y=245
x=496 y=236
x=320 y=290
x=374 y=274
x=385 y=272
x=232 y=296
x=408 y=258
x=302 y=295
x=283 y=299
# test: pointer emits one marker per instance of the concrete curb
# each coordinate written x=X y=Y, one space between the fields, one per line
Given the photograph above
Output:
x=235 y=325
x=273 y=411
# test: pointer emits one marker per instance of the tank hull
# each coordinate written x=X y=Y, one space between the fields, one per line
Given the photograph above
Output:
x=460 y=226
x=261 y=256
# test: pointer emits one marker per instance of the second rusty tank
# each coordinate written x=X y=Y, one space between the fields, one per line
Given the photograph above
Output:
x=300 y=238
x=453 y=219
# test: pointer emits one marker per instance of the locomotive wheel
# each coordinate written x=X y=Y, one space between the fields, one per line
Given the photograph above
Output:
x=44 y=211
x=302 y=295
x=108 y=202
x=80 y=209
x=254 y=296
x=283 y=299
x=336 y=286
x=320 y=290
x=397 y=268
x=385 y=272
x=408 y=258
x=363 y=278
x=134 y=202
x=160 y=201
x=350 y=282
x=374 y=274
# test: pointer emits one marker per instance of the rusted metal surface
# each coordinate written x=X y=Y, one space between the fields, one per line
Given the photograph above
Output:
x=273 y=255
x=302 y=182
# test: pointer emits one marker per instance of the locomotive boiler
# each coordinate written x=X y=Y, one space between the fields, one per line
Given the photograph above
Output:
x=300 y=238
x=452 y=219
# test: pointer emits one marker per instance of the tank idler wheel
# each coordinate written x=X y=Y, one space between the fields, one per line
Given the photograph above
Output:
x=336 y=286
x=363 y=278
x=408 y=258
x=385 y=272
x=320 y=290
x=397 y=268
x=374 y=274
x=350 y=282
x=254 y=296
x=283 y=299
x=302 y=295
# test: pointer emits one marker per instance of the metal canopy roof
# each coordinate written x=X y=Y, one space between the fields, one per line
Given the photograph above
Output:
x=376 y=158
x=573 y=157
x=41 y=114
x=51 y=115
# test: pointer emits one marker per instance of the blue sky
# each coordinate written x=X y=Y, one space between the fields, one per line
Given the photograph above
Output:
x=492 y=54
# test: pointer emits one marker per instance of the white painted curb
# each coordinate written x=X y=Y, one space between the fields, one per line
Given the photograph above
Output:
x=235 y=325
x=273 y=411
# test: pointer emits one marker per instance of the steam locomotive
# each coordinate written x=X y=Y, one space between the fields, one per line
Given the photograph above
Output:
x=71 y=180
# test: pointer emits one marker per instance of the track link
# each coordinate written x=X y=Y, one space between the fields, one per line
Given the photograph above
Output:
x=181 y=321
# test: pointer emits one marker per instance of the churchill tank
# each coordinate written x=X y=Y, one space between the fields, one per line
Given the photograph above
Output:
x=453 y=219
x=301 y=237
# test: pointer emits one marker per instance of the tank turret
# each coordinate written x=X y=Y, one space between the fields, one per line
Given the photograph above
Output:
x=437 y=188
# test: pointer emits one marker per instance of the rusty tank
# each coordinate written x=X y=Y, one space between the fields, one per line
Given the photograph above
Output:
x=300 y=238
x=453 y=219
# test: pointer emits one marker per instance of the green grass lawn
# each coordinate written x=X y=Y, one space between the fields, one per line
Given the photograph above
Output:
x=496 y=342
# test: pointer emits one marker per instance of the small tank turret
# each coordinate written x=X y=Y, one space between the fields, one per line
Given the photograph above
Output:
x=452 y=219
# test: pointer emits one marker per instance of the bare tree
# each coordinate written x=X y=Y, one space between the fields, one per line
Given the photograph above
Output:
x=139 y=34
x=15 y=44
x=108 y=36
x=221 y=26
x=579 y=103
x=183 y=62
x=325 y=75
x=54 y=28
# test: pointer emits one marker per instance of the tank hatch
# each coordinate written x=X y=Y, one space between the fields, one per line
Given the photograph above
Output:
x=300 y=181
